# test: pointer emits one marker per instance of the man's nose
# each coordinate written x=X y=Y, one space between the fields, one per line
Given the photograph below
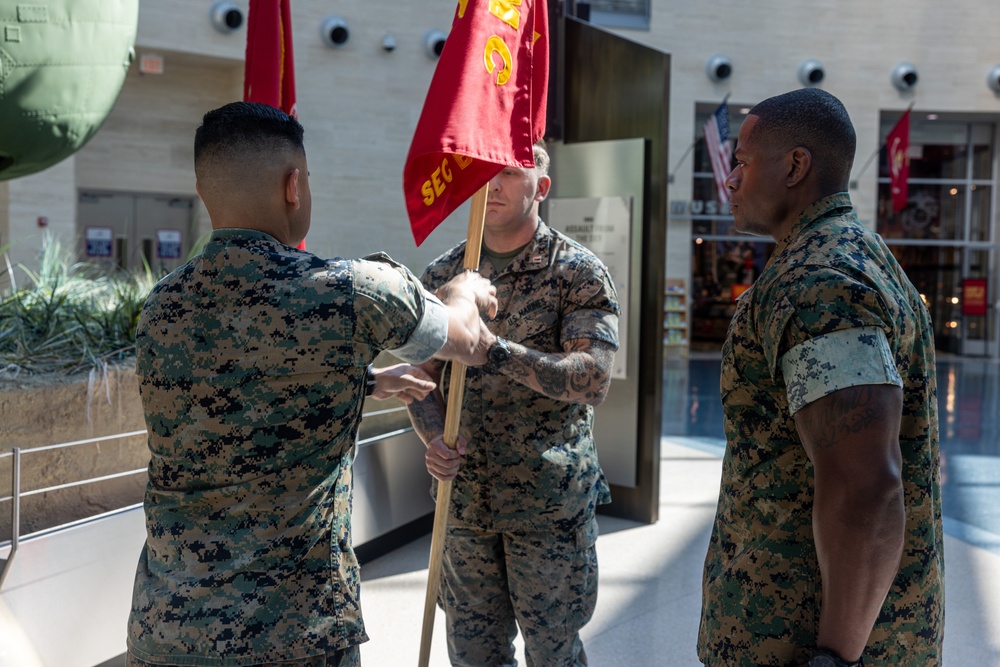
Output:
x=732 y=181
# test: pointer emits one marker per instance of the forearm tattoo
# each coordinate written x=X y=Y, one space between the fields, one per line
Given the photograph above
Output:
x=427 y=416
x=581 y=374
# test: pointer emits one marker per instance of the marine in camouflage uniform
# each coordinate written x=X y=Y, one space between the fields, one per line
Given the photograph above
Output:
x=252 y=361
x=832 y=309
x=828 y=544
x=522 y=529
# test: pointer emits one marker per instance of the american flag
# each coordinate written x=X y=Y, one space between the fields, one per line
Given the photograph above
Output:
x=719 y=149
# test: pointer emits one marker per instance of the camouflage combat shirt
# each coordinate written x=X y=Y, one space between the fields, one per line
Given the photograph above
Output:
x=531 y=461
x=833 y=289
x=252 y=361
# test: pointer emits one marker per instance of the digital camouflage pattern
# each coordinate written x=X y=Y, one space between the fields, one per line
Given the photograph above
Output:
x=505 y=571
x=531 y=460
x=531 y=463
x=251 y=359
x=761 y=591
x=349 y=657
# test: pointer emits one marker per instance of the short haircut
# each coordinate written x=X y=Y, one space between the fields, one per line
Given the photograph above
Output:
x=542 y=160
x=816 y=120
x=245 y=132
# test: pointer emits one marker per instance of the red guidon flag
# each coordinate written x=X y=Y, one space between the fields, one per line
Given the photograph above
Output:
x=269 y=73
x=485 y=107
x=898 y=146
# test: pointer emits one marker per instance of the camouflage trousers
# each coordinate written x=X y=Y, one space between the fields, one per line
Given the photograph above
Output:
x=349 y=657
x=543 y=582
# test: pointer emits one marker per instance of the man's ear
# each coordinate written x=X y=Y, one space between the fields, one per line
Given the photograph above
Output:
x=292 y=189
x=544 y=185
x=799 y=165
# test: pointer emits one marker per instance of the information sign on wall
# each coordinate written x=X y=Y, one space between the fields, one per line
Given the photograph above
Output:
x=974 y=296
x=99 y=241
x=168 y=244
x=604 y=225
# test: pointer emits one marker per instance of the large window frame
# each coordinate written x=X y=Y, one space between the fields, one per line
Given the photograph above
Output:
x=947 y=232
x=937 y=264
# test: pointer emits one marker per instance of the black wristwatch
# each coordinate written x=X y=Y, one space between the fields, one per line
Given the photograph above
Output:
x=824 y=657
x=370 y=380
x=497 y=355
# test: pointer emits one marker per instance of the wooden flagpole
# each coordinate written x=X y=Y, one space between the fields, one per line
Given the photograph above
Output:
x=452 y=419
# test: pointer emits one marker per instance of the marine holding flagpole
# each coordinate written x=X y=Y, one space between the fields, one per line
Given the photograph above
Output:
x=520 y=544
x=520 y=534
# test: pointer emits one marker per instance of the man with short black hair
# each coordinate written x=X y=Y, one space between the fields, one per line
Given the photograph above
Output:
x=828 y=545
x=254 y=359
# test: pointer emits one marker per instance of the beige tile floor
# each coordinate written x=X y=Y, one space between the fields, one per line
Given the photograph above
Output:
x=647 y=611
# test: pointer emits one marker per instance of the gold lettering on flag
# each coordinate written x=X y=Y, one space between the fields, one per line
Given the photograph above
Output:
x=504 y=10
x=496 y=45
x=462 y=4
x=435 y=186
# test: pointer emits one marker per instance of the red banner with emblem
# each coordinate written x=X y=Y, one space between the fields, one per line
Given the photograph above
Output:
x=484 y=110
x=898 y=146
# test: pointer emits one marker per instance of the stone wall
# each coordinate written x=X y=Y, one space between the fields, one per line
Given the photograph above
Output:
x=36 y=413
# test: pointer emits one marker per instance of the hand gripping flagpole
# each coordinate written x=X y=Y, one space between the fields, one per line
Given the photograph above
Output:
x=452 y=419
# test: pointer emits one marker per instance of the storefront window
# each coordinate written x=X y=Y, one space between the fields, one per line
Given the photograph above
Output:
x=932 y=212
x=944 y=237
x=725 y=263
x=950 y=168
x=979 y=218
x=976 y=297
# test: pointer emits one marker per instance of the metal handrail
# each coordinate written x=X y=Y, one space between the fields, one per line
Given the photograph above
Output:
x=82 y=482
x=15 y=528
x=17 y=494
x=87 y=441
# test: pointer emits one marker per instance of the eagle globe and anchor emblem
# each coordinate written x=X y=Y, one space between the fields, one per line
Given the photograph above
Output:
x=922 y=208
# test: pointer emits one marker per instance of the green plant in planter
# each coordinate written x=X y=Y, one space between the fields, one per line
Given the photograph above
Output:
x=73 y=317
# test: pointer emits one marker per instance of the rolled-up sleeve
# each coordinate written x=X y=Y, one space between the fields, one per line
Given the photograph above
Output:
x=837 y=360
x=430 y=335
x=394 y=312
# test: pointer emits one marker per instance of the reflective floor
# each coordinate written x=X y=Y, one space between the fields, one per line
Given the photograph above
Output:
x=649 y=604
x=969 y=427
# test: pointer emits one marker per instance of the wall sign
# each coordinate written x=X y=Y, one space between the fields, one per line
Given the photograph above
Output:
x=604 y=225
x=99 y=241
x=683 y=207
x=168 y=244
x=974 y=296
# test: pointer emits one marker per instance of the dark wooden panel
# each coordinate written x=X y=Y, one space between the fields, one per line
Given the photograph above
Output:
x=614 y=88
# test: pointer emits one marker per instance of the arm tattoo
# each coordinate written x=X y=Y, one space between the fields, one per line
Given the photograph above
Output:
x=581 y=374
x=427 y=416
x=849 y=411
